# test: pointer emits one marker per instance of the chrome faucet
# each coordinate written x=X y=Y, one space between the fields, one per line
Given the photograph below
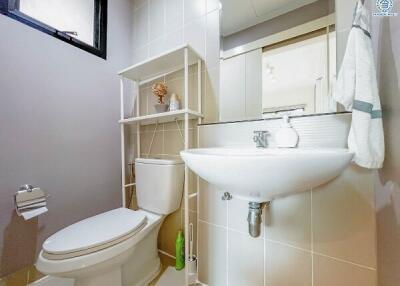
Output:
x=260 y=138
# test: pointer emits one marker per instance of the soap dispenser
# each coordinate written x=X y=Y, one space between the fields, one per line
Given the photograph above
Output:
x=286 y=136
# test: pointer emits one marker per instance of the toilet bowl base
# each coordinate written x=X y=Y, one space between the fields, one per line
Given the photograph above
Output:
x=150 y=277
x=113 y=277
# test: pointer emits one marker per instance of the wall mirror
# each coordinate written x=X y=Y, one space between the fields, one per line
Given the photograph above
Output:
x=277 y=57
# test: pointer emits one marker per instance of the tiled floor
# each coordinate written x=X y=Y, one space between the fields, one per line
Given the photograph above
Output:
x=21 y=277
x=165 y=261
x=28 y=275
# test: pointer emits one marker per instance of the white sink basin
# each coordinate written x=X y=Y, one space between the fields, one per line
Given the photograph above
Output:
x=259 y=175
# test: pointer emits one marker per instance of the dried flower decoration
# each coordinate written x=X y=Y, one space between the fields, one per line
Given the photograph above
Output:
x=160 y=90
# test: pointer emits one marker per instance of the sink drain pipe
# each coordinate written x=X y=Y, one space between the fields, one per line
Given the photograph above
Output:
x=254 y=218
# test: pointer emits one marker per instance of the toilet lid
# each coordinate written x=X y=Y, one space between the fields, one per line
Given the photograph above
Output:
x=95 y=231
x=163 y=160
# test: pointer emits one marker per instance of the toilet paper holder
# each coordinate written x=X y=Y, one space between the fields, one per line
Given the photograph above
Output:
x=28 y=197
x=26 y=187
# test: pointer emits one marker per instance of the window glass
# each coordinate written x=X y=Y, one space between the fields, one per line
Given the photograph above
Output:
x=80 y=23
x=74 y=17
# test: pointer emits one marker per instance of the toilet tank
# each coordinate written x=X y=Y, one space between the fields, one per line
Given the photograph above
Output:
x=159 y=184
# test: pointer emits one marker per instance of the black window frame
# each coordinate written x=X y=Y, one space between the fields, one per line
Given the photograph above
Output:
x=10 y=8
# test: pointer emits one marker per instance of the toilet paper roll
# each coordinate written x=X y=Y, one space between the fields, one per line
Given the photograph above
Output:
x=33 y=213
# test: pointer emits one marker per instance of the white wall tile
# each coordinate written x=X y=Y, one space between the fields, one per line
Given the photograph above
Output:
x=194 y=9
x=344 y=17
x=341 y=43
x=174 y=39
x=245 y=260
x=173 y=142
x=140 y=27
x=140 y=54
x=225 y=135
x=192 y=177
x=211 y=208
x=173 y=15
x=212 y=255
x=156 y=47
x=212 y=40
x=344 y=14
x=193 y=83
x=156 y=148
x=331 y=272
x=314 y=131
x=287 y=266
x=213 y=5
x=177 y=86
x=156 y=19
x=344 y=217
x=323 y=131
x=211 y=95
x=288 y=220
x=195 y=34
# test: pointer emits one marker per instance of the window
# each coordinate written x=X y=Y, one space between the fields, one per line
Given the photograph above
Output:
x=81 y=23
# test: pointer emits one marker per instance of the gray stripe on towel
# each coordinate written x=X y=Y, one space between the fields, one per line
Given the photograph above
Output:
x=367 y=108
x=362 y=106
x=362 y=29
x=376 y=114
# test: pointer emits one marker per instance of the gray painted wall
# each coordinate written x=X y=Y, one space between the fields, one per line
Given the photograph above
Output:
x=59 y=108
x=281 y=23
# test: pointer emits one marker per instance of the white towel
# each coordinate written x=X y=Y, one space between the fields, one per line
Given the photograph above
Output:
x=357 y=89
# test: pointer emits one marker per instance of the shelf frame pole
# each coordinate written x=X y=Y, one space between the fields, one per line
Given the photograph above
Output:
x=137 y=90
x=199 y=121
x=199 y=89
x=122 y=127
x=186 y=191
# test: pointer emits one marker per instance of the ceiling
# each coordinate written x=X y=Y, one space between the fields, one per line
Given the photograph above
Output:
x=238 y=15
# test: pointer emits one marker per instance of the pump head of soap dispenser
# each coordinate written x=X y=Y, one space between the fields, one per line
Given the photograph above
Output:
x=286 y=121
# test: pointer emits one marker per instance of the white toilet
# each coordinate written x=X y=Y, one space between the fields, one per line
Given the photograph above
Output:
x=118 y=247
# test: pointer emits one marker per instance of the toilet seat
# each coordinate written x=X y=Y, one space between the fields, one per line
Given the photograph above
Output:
x=69 y=267
x=94 y=234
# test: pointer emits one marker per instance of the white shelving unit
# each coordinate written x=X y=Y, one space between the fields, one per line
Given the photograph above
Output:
x=171 y=61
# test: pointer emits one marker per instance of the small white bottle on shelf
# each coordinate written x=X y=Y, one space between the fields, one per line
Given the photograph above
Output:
x=174 y=103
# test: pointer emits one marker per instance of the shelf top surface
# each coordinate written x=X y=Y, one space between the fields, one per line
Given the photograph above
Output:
x=162 y=64
x=162 y=117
